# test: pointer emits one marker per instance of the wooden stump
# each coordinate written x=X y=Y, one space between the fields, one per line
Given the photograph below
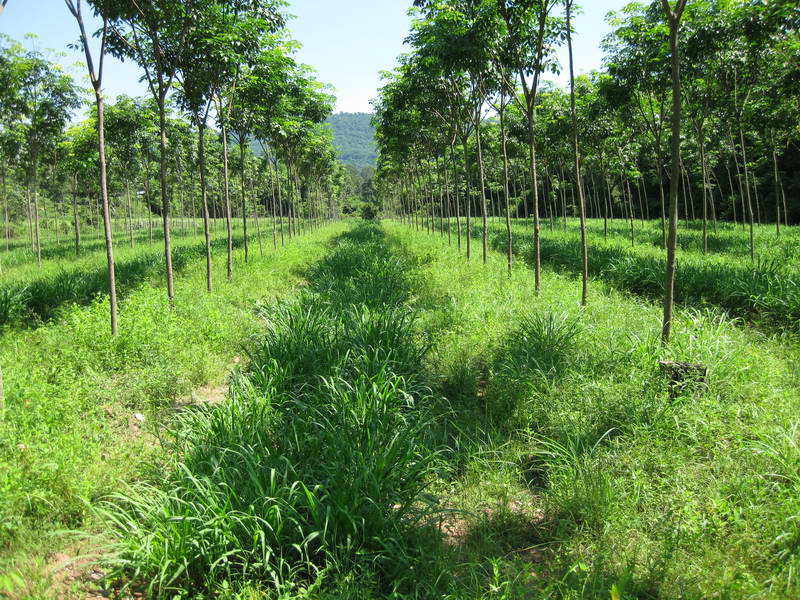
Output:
x=681 y=375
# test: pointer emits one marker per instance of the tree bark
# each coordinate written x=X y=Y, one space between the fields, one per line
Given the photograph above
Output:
x=36 y=232
x=244 y=200
x=777 y=190
x=162 y=177
x=674 y=18
x=577 y=164
x=503 y=135
x=101 y=139
x=747 y=196
x=226 y=187
x=481 y=176
x=201 y=159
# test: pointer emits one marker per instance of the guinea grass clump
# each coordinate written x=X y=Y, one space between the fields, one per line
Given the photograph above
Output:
x=578 y=492
x=260 y=493
x=13 y=301
x=532 y=356
x=301 y=338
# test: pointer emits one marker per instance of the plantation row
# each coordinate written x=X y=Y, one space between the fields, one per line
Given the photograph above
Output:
x=238 y=135
x=32 y=294
x=767 y=292
x=408 y=423
x=683 y=121
x=316 y=462
x=68 y=432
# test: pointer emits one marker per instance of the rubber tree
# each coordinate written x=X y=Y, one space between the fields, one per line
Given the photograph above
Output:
x=638 y=62
x=772 y=73
x=534 y=33
x=438 y=92
x=503 y=79
x=75 y=8
x=673 y=17
x=398 y=120
x=258 y=94
x=247 y=27
x=79 y=160
x=458 y=34
x=129 y=125
x=48 y=98
x=303 y=105
x=11 y=126
x=154 y=34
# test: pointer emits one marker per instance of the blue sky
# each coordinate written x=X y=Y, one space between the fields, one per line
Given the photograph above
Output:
x=348 y=42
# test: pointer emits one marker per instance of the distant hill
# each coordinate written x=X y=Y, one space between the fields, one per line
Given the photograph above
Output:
x=354 y=137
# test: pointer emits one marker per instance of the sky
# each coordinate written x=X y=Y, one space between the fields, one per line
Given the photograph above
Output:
x=348 y=42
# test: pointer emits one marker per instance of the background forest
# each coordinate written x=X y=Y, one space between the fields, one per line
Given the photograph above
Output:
x=354 y=138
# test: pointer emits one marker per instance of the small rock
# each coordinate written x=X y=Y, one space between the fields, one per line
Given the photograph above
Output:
x=139 y=417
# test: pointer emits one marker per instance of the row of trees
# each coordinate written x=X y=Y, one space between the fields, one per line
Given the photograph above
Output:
x=467 y=127
x=70 y=193
x=226 y=63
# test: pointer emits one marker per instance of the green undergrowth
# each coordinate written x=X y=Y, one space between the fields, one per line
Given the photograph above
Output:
x=416 y=426
x=575 y=471
x=315 y=468
x=80 y=405
x=413 y=425
x=33 y=293
x=765 y=291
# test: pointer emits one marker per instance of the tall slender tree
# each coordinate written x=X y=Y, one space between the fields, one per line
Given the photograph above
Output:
x=577 y=162
x=673 y=17
x=533 y=31
x=96 y=79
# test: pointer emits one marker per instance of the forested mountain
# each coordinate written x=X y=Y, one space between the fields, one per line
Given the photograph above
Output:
x=354 y=137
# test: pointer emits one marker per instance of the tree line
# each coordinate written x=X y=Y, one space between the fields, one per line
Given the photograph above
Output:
x=694 y=116
x=232 y=127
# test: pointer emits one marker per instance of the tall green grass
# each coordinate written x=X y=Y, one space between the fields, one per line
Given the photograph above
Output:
x=766 y=291
x=315 y=466
x=69 y=435
x=575 y=470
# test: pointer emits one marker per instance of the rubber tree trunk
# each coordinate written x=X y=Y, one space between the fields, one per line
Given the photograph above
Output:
x=704 y=169
x=244 y=199
x=201 y=159
x=255 y=216
x=577 y=165
x=75 y=215
x=537 y=242
x=467 y=199
x=777 y=189
x=456 y=193
x=226 y=187
x=129 y=210
x=747 y=195
x=165 y=201
x=504 y=139
x=37 y=240
x=482 y=180
x=674 y=19
x=101 y=143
